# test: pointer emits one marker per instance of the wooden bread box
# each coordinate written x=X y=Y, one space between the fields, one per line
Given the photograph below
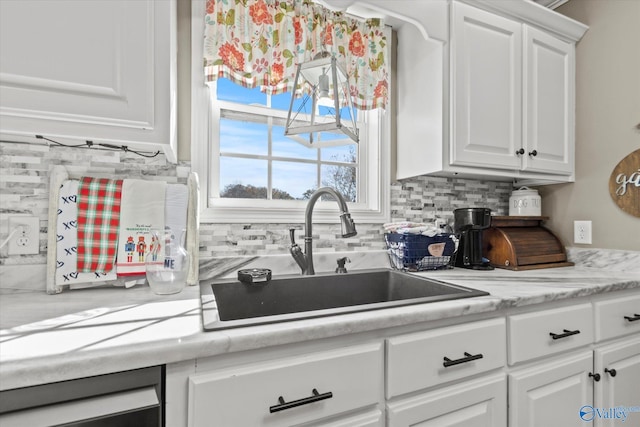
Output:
x=522 y=243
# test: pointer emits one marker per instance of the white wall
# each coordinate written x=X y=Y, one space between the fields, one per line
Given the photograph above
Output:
x=607 y=112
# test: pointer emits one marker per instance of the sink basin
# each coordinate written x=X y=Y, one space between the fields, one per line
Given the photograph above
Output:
x=231 y=303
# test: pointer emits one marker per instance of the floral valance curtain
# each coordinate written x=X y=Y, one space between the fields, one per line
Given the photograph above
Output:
x=259 y=43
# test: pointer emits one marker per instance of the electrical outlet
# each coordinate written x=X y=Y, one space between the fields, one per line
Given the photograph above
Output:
x=26 y=235
x=582 y=232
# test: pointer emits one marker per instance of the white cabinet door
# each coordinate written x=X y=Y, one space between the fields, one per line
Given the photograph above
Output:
x=477 y=403
x=486 y=67
x=618 y=386
x=98 y=70
x=549 y=101
x=551 y=394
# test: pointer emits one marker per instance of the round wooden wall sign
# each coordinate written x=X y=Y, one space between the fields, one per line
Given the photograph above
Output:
x=624 y=184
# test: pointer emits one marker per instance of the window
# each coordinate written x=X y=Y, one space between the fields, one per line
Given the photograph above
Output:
x=250 y=172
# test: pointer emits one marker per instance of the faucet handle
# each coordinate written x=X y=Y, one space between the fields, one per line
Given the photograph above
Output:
x=341 y=262
x=296 y=252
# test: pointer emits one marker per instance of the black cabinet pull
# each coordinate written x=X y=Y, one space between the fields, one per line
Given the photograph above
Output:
x=596 y=376
x=635 y=317
x=567 y=333
x=611 y=372
x=520 y=152
x=533 y=153
x=468 y=358
x=304 y=401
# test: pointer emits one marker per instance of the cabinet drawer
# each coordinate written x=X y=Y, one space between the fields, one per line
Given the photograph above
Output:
x=480 y=402
x=547 y=332
x=424 y=359
x=617 y=317
x=322 y=384
x=370 y=419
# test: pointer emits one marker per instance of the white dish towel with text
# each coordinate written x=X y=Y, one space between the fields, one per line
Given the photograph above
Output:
x=141 y=210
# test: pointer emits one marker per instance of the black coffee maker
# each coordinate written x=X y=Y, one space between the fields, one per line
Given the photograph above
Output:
x=468 y=225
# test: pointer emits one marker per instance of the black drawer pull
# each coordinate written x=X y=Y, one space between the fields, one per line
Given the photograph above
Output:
x=520 y=152
x=596 y=376
x=469 y=357
x=635 y=317
x=611 y=372
x=304 y=401
x=567 y=333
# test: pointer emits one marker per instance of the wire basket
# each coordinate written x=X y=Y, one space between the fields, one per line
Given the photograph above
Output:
x=415 y=252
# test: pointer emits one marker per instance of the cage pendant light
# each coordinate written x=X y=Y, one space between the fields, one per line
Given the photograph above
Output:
x=325 y=116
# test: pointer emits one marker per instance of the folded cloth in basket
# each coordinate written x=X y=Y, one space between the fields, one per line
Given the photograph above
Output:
x=98 y=221
x=408 y=227
x=143 y=209
x=67 y=241
x=394 y=226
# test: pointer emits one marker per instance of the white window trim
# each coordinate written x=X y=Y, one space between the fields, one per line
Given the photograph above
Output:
x=375 y=210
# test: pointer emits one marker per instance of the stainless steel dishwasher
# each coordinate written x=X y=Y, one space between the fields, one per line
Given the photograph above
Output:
x=124 y=399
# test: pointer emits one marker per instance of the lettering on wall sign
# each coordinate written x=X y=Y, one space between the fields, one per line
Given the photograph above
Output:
x=624 y=184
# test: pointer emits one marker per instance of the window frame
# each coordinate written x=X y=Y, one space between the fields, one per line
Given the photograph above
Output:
x=239 y=111
x=374 y=160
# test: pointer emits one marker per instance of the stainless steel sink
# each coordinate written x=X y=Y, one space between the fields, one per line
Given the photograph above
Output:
x=231 y=303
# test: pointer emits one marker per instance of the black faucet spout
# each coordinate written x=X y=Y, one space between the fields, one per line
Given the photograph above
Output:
x=348 y=227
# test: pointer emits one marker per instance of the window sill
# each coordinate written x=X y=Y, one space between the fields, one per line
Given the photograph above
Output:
x=324 y=212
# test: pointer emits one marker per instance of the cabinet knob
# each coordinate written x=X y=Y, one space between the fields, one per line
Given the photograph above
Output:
x=520 y=152
x=533 y=153
x=611 y=372
x=596 y=376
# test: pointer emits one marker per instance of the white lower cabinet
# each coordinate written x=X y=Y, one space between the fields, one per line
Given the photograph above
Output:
x=619 y=367
x=289 y=391
x=423 y=360
x=586 y=386
x=551 y=394
x=567 y=364
x=591 y=386
x=477 y=403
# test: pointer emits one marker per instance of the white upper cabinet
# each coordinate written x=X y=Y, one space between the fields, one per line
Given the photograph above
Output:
x=494 y=98
x=99 y=70
x=549 y=103
x=513 y=95
x=486 y=70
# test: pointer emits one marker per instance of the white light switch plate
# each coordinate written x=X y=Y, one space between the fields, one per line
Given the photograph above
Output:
x=582 y=232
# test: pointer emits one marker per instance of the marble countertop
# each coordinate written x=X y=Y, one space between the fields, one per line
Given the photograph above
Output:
x=46 y=338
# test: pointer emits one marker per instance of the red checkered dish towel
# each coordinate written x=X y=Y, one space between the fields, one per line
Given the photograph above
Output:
x=98 y=223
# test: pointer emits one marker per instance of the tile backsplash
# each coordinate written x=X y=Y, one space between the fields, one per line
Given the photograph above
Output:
x=24 y=179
